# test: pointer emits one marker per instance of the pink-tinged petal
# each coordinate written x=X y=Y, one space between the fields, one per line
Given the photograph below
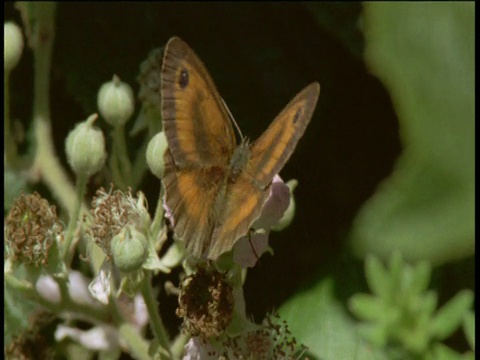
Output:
x=48 y=288
x=168 y=211
x=100 y=287
x=275 y=206
x=77 y=285
x=249 y=248
x=198 y=349
x=99 y=338
x=78 y=289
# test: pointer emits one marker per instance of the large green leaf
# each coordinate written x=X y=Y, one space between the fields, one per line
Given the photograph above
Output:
x=320 y=322
x=424 y=54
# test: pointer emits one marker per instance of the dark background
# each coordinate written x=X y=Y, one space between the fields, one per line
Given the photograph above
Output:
x=259 y=55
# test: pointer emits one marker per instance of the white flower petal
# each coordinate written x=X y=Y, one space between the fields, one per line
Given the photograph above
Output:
x=99 y=338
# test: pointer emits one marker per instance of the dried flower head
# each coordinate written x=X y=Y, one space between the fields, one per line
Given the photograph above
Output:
x=32 y=343
x=273 y=341
x=206 y=303
x=111 y=212
x=31 y=228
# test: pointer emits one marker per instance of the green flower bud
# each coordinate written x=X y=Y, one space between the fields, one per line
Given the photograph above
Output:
x=155 y=151
x=129 y=249
x=85 y=148
x=13 y=45
x=116 y=102
x=290 y=212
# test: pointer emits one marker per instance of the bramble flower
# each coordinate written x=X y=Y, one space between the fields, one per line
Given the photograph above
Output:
x=113 y=211
x=112 y=214
x=107 y=337
x=77 y=285
x=272 y=341
x=206 y=303
x=31 y=228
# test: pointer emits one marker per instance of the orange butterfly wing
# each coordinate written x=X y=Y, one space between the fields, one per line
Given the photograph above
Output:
x=241 y=207
x=245 y=198
x=271 y=151
x=196 y=123
x=211 y=211
x=200 y=140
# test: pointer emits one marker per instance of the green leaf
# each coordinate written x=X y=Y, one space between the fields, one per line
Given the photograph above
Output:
x=377 y=277
x=421 y=277
x=321 y=323
x=424 y=54
x=442 y=352
x=16 y=310
x=367 y=307
x=451 y=315
x=469 y=328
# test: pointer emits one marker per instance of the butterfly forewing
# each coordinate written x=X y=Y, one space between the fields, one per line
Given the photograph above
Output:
x=196 y=123
x=273 y=148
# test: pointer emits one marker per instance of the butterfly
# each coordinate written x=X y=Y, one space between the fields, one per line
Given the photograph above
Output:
x=214 y=187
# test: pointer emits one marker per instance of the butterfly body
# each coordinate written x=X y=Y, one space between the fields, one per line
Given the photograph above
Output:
x=214 y=188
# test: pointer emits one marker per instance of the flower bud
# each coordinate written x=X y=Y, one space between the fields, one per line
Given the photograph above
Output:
x=13 y=45
x=155 y=151
x=85 y=148
x=116 y=102
x=129 y=248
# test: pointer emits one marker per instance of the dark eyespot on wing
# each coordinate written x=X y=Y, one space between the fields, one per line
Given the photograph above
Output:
x=298 y=113
x=183 y=78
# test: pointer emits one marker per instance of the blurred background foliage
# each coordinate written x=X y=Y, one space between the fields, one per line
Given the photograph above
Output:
x=387 y=160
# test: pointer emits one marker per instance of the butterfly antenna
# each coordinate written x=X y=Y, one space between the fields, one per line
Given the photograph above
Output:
x=233 y=120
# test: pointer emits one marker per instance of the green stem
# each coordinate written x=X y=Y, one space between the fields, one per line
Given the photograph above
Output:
x=74 y=218
x=137 y=345
x=139 y=166
x=115 y=169
x=155 y=321
x=178 y=345
x=121 y=153
x=10 y=146
x=46 y=162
